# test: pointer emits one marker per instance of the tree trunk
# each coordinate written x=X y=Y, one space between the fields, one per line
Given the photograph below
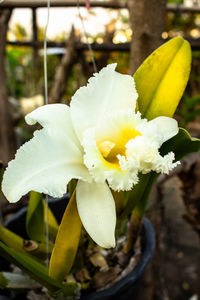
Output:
x=36 y=61
x=147 y=22
x=63 y=70
x=7 y=135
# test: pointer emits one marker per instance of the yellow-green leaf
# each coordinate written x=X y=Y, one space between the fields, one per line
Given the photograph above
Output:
x=52 y=222
x=35 y=225
x=38 y=272
x=12 y=240
x=162 y=78
x=51 y=218
x=67 y=241
x=17 y=243
x=36 y=219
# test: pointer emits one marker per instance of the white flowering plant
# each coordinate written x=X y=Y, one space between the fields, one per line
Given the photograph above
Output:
x=108 y=146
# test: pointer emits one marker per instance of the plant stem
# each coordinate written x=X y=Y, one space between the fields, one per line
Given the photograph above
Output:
x=133 y=231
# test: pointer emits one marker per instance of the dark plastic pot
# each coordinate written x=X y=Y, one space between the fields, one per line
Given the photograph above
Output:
x=128 y=287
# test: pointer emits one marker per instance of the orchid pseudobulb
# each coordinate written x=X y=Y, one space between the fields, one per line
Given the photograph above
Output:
x=99 y=140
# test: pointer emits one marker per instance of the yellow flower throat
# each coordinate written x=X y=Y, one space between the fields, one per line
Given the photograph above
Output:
x=110 y=148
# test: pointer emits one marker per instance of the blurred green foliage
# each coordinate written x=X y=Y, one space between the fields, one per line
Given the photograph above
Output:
x=189 y=109
x=19 y=68
x=175 y=1
x=19 y=32
x=24 y=80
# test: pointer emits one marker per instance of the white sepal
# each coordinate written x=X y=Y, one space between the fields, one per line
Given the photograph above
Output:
x=96 y=208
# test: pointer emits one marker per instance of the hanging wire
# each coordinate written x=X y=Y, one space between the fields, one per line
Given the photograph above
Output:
x=86 y=36
x=46 y=102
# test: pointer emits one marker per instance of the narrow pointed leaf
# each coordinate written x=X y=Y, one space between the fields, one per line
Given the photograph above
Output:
x=37 y=271
x=162 y=78
x=30 y=266
x=35 y=225
x=138 y=196
x=67 y=241
x=17 y=243
x=71 y=186
x=12 y=240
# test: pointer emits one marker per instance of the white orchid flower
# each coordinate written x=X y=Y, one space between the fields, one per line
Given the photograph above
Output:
x=99 y=140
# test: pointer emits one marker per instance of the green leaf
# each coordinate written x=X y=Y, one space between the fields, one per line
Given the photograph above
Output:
x=36 y=219
x=142 y=203
x=71 y=186
x=121 y=227
x=162 y=78
x=12 y=240
x=67 y=241
x=30 y=266
x=181 y=144
x=13 y=281
x=138 y=196
x=35 y=225
x=28 y=247
x=37 y=271
x=120 y=201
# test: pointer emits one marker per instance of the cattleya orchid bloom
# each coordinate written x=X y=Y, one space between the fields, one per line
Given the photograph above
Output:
x=99 y=140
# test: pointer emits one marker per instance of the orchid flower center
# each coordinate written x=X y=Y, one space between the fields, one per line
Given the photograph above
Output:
x=111 y=148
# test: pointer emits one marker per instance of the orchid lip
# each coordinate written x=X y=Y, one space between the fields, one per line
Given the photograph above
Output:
x=123 y=145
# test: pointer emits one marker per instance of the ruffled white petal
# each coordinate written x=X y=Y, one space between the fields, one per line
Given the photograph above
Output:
x=165 y=164
x=108 y=91
x=45 y=164
x=56 y=116
x=165 y=127
x=96 y=208
x=144 y=153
